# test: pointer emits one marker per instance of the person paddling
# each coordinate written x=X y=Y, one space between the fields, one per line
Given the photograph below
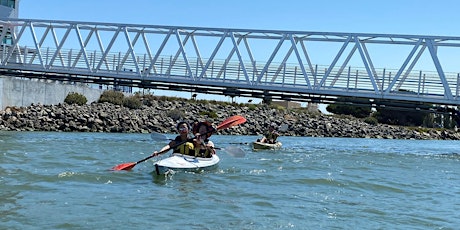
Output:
x=203 y=146
x=186 y=148
x=270 y=136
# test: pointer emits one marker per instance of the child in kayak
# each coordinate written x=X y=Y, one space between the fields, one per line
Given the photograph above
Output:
x=203 y=146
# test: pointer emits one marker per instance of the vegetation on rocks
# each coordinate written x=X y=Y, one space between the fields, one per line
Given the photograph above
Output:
x=75 y=98
x=113 y=97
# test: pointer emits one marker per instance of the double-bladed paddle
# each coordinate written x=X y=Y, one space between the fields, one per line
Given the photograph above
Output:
x=227 y=123
x=159 y=137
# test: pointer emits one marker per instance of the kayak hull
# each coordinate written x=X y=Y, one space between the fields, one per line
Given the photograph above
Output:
x=179 y=162
x=260 y=145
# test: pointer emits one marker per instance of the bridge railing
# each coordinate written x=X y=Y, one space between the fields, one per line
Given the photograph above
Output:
x=277 y=76
x=252 y=60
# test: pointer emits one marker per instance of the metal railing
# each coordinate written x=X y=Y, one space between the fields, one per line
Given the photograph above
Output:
x=292 y=74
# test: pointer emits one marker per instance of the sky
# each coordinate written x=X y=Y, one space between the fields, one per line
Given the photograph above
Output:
x=421 y=17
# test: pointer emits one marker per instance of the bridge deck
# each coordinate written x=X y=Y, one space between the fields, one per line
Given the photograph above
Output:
x=161 y=57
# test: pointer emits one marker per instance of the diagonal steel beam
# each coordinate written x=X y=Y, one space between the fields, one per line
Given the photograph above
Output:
x=299 y=59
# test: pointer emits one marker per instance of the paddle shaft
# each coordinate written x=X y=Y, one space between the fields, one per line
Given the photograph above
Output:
x=166 y=150
x=229 y=122
x=161 y=152
x=175 y=146
x=128 y=166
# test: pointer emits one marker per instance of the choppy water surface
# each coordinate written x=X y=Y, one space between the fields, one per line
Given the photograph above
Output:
x=64 y=181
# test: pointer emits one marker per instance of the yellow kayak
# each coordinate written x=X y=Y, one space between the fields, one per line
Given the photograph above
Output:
x=260 y=145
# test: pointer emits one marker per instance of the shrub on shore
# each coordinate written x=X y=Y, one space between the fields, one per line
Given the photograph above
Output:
x=132 y=102
x=75 y=98
x=371 y=120
x=113 y=97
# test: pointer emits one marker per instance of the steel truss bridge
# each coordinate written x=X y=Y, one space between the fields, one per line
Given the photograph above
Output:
x=267 y=64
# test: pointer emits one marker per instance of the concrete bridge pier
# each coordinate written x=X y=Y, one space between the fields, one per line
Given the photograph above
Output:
x=22 y=92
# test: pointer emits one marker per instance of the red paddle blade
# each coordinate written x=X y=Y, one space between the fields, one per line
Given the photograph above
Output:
x=227 y=123
x=231 y=121
x=124 y=166
x=238 y=122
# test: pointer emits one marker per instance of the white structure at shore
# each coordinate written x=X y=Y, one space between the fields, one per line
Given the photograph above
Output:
x=9 y=8
x=16 y=91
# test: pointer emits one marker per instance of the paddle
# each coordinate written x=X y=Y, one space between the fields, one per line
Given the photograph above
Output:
x=227 y=123
x=231 y=121
x=158 y=137
x=233 y=151
x=284 y=127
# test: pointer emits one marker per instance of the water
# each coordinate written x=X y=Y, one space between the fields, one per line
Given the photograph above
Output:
x=63 y=181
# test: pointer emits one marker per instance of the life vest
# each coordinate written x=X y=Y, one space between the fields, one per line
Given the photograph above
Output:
x=185 y=148
x=271 y=136
x=199 y=152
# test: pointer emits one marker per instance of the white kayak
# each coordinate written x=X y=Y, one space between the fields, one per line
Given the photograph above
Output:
x=185 y=163
x=261 y=145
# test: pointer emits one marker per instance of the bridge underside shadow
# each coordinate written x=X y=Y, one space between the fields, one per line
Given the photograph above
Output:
x=265 y=95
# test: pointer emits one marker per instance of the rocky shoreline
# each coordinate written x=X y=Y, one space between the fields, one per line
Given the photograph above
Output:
x=163 y=115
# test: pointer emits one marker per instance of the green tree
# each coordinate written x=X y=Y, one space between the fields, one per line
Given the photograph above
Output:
x=395 y=116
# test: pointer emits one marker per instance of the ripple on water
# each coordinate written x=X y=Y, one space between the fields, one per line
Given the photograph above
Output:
x=313 y=183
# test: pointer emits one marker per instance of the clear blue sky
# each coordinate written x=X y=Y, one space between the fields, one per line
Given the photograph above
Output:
x=416 y=17
x=419 y=17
